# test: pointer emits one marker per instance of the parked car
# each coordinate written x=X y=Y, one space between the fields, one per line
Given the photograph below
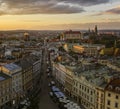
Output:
x=52 y=83
x=51 y=94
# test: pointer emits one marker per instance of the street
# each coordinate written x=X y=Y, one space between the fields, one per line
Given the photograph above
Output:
x=45 y=102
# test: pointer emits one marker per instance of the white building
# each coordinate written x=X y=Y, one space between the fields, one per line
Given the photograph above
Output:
x=59 y=72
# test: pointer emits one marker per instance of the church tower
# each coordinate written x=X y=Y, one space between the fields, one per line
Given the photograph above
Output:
x=96 y=30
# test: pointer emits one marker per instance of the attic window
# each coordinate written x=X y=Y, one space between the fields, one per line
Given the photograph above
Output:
x=117 y=89
x=110 y=87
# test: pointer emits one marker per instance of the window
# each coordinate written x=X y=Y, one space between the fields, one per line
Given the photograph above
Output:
x=101 y=107
x=88 y=97
x=98 y=93
x=91 y=92
x=88 y=90
x=80 y=92
x=109 y=94
x=91 y=100
x=2 y=100
x=116 y=105
x=101 y=95
x=80 y=86
x=108 y=102
x=117 y=97
x=76 y=84
x=6 y=98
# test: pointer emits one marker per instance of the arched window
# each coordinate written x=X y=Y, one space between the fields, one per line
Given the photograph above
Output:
x=117 y=89
x=110 y=87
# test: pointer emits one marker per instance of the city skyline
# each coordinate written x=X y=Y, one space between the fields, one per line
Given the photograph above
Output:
x=59 y=14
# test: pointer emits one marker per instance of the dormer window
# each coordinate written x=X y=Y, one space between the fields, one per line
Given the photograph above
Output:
x=110 y=87
x=117 y=89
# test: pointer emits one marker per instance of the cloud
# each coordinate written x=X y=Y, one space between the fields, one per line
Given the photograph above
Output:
x=46 y=6
x=86 y=2
x=113 y=11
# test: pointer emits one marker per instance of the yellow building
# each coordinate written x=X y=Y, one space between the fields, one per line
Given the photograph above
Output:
x=87 y=49
x=68 y=46
x=5 y=90
x=110 y=51
x=78 y=49
x=112 y=95
x=107 y=51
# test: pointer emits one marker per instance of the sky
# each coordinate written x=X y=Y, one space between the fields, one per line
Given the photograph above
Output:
x=59 y=14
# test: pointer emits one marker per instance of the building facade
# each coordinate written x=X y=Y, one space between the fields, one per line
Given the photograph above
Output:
x=87 y=49
x=71 y=35
x=84 y=92
x=112 y=95
x=5 y=90
x=59 y=73
x=16 y=73
x=27 y=75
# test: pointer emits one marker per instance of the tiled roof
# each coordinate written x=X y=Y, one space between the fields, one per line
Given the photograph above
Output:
x=114 y=86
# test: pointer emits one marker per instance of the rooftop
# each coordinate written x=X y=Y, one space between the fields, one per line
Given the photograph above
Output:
x=114 y=85
x=12 y=66
x=4 y=76
x=93 y=72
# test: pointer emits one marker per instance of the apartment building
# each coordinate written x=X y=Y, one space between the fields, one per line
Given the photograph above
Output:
x=59 y=72
x=68 y=81
x=35 y=61
x=27 y=75
x=112 y=94
x=16 y=73
x=100 y=97
x=5 y=90
x=85 y=80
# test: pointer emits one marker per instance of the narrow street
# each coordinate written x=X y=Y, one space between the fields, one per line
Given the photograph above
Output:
x=45 y=102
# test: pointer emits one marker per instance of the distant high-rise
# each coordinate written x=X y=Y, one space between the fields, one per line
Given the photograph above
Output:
x=96 y=30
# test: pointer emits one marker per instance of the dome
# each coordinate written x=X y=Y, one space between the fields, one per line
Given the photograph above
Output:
x=26 y=34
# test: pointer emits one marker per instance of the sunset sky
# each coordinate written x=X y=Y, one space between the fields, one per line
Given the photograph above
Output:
x=59 y=14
